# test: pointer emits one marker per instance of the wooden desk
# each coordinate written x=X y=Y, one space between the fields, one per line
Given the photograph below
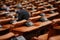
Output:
x=36 y=2
x=53 y=9
x=1 y=29
x=36 y=13
x=2 y=13
x=5 y=27
x=5 y=20
x=23 y=3
x=40 y=7
x=45 y=2
x=58 y=2
x=19 y=23
x=33 y=18
x=51 y=15
x=42 y=37
x=3 y=17
x=45 y=10
x=6 y=36
x=55 y=37
x=49 y=9
x=56 y=20
x=33 y=10
x=27 y=29
x=47 y=5
x=56 y=27
x=28 y=7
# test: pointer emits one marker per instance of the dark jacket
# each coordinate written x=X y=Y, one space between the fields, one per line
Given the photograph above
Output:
x=22 y=14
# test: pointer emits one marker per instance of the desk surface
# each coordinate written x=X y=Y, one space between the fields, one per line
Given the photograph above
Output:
x=58 y=2
x=51 y=15
x=6 y=36
x=5 y=27
x=56 y=27
x=49 y=9
x=56 y=20
x=27 y=29
x=3 y=20
x=57 y=37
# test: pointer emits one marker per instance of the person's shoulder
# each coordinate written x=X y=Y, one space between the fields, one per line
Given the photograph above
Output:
x=25 y=10
x=18 y=10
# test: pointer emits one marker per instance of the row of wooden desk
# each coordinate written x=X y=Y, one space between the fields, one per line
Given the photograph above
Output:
x=48 y=16
x=19 y=26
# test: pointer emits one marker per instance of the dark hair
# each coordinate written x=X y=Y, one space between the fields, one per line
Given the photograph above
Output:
x=20 y=8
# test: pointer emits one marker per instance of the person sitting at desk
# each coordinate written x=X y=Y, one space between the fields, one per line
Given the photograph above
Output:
x=22 y=14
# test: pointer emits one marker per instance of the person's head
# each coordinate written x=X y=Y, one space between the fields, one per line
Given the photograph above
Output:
x=19 y=6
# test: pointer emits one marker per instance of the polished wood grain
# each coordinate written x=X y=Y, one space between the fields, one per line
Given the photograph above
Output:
x=27 y=29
